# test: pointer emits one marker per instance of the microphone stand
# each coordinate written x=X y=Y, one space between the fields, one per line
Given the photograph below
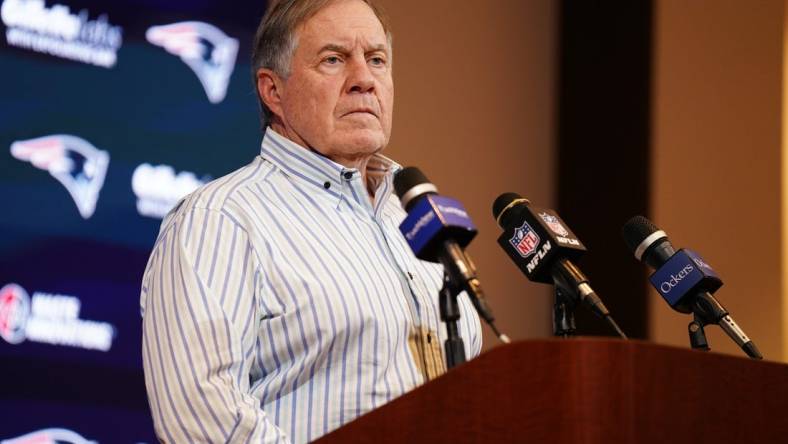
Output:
x=706 y=310
x=563 y=314
x=696 y=334
x=450 y=314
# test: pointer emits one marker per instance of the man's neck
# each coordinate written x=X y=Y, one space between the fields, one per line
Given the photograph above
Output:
x=358 y=162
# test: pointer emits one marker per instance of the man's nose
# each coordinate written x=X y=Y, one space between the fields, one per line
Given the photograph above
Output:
x=360 y=78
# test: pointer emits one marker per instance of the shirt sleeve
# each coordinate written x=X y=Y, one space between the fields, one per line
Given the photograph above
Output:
x=199 y=332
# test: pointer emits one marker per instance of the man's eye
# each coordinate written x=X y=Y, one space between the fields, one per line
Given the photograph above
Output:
x=332 y=60
x=380 y=61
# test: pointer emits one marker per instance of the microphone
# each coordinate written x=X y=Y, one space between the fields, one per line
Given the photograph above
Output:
x=538 y=241
x=683 y=279
x=437 y=229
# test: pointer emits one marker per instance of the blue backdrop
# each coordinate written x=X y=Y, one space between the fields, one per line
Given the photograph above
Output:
x=109 y=113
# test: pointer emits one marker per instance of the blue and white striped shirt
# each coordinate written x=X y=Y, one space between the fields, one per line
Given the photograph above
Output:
x=279 y=304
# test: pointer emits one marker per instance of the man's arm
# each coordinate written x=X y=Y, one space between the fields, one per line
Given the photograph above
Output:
x=200 y=330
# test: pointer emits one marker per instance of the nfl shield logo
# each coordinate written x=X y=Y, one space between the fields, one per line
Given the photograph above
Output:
x=554 y=225
x=525 y=240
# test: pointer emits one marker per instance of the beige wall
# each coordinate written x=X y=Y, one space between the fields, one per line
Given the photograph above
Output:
x=475 y=111
x=717 y=157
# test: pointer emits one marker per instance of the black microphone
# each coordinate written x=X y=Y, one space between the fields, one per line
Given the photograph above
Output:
x=437 y=229
x=541 y=245
x=683 y=279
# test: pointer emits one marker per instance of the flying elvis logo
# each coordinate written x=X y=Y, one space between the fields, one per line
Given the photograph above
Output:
x=74 y=162
x=208 y=51
x=54 y=435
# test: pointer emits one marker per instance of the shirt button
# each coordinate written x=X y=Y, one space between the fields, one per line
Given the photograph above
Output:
x=327 y=185
x=348 y=175
x=410 y=275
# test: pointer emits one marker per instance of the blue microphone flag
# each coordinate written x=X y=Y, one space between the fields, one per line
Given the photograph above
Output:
x=431 y=219
x=685 y=273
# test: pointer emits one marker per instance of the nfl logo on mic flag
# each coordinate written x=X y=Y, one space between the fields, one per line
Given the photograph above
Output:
x=525 y=240
x=554 y=225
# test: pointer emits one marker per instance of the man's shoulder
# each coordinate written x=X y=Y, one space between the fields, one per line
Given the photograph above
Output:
x=218 y=193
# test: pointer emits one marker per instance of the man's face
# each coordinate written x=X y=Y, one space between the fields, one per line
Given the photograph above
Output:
x=339 y=96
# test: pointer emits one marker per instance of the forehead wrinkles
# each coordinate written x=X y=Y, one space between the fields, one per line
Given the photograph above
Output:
x=348 y=31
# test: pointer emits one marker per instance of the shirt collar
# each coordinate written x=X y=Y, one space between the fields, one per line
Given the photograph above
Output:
x=328 y=176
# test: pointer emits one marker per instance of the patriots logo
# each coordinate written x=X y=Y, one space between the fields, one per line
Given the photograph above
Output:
x=49 y=436
x=208 y=51
x=525 y=240
x=74 y=162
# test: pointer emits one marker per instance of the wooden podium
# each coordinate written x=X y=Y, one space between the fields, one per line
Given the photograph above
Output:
x=587 y=391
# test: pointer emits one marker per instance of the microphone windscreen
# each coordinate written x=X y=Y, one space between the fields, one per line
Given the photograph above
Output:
x=408 y=178
x=636 y=230
x=503 y=201
x=504 y=208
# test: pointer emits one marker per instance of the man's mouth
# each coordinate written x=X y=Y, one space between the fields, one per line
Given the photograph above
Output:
x=361 y=111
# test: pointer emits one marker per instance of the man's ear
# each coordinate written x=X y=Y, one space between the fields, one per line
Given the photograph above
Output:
x=269 y=87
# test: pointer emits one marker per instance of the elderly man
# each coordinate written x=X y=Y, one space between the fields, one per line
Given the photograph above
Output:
x=281 y=301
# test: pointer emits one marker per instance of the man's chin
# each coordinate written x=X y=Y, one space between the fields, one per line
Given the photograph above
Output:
x=363 y=141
